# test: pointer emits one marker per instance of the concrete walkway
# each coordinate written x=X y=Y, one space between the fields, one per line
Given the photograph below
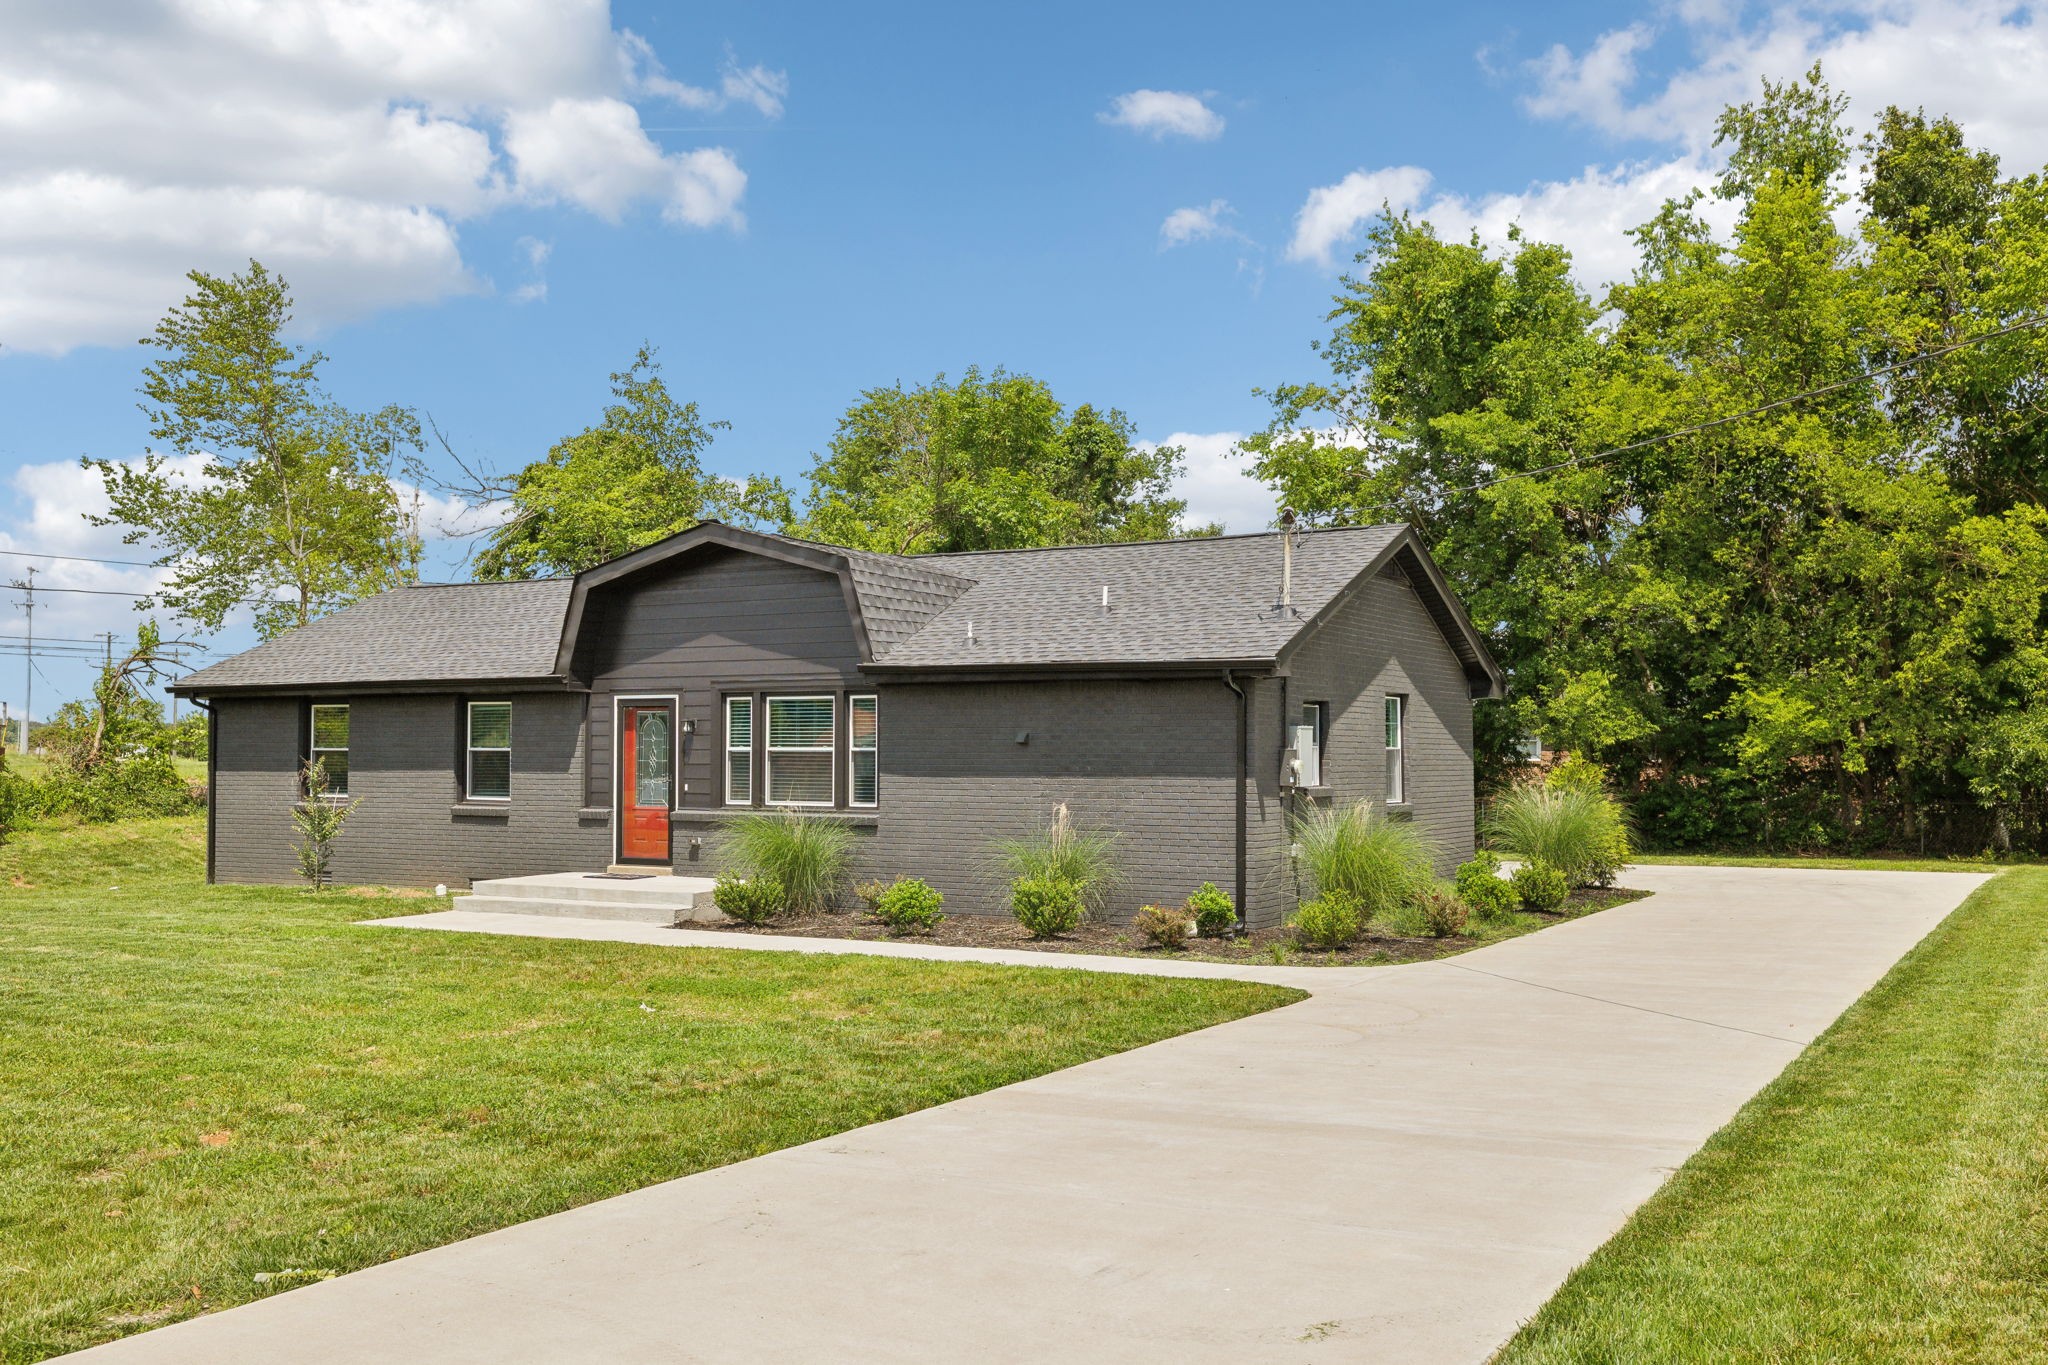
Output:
x=1401 y=1168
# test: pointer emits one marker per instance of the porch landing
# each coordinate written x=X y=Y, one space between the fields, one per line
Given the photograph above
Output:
x=660 y=899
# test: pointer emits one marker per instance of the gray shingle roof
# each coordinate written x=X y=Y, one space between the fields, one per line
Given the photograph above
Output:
x=1170 y=602
x=1181 y=601
x=460 y=632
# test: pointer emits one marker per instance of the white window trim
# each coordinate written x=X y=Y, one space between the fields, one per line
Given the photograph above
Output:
x=753 y=724
x=1396 y=704
x=313 y=748
x=852 y=801
x=830 y=750
x=470 y=751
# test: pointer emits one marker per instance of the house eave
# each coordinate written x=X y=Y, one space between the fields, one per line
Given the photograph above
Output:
x=327 y=687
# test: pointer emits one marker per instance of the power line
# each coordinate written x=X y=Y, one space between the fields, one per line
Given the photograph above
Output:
x=2025 y=324
x=83 y=559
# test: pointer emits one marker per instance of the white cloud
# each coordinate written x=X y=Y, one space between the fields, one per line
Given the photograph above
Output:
x=1984 y=63
x=536 y=252
x=343 y=142
x=1198 y=224
x=1332 y=214
x=1218 y=486
x=1164 y=113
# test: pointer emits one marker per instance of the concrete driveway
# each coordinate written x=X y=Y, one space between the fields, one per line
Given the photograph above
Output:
x=1401 y=1168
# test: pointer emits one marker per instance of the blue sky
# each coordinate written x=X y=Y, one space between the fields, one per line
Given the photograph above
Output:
x=486 y=213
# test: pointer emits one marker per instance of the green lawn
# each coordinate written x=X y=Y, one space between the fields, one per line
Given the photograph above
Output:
x=1876 y=863
x=199 y=1086
x=1886 y=1199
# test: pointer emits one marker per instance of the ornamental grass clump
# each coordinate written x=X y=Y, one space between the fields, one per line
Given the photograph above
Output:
x=1579 y=830
x=1059 y=851
x=1358 y=853
x=804 y=855
x=1046 y=906
x=1330 y=921
x=909 y=905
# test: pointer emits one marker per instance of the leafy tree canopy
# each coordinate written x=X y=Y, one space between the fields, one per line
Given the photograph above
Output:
x=291 y=508
x=989 y=462
x=634 y=478
x=1794 y=625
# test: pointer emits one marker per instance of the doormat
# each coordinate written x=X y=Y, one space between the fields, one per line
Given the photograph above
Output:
x=620 y=876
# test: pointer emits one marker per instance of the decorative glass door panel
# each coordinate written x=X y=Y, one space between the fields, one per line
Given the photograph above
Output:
x=646 y=780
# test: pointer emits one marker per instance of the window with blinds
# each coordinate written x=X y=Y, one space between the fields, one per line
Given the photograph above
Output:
x=739 y=751
x=863 y=752
x=800 y=750
x=490 y=751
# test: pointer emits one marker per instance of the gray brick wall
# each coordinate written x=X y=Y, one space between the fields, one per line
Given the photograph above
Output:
x=1383 y=641
x=404 y=779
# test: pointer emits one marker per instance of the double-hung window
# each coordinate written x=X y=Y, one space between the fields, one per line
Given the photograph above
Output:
x=1397 y=728
x=863 y=752
x=801 y=747
x=490 y=751
x=739 y=751
x=328 y=745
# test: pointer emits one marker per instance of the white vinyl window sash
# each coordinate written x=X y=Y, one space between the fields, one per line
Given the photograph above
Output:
x=490 y=751
x=739 y=751
x=801 y=747
x=863 y=752
x=327 y=743
x=1397 y=733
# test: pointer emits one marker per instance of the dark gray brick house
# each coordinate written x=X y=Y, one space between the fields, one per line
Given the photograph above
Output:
x=1162 y=690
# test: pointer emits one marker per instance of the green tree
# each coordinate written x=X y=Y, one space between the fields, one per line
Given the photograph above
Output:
x=1788 y=620
x=292 y=507
x=992 y=461
x=634 y=478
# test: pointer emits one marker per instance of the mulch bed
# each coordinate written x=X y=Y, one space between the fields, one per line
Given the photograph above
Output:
x=1374 y=948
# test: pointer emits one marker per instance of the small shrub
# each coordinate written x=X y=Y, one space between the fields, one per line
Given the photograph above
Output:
x=1442 y=913
x=318 y=821
x=1164 y=926
x=1582 y=833
x=802 y=854
x=1482 y=888
x=909 y=905
x=1059 y=851
x=1540 y=886
x=1356 y=852
x=869 y=894
x=1046 y=906
x=1332 y=920
x=748 y=900
x=1214 y=913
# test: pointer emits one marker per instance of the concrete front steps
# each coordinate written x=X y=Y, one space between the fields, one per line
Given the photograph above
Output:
x=586 y=895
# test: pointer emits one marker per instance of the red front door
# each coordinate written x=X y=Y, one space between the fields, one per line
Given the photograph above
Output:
x=646 y=780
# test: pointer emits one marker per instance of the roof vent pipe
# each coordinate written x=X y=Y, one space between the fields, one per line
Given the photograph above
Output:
x=1286 y=560
x=1105 y=597
x=970 y=632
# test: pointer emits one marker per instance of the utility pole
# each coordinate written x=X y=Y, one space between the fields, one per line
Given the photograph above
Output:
x=28 y=670
x=108 y=636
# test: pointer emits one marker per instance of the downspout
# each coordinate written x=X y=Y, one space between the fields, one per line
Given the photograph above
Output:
x=212 y=786
x=1244 y=739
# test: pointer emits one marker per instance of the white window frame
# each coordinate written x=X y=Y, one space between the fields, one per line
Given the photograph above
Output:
x=753 y=721
x=768 y=749
x=470 y=751
x=1313 y=725
x=853 y=800
x=314 y=749
x=1396 y=713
